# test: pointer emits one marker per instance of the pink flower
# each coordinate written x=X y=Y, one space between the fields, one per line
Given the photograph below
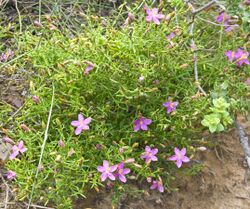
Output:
x=142 y=123
x=89 y=67
x=11 y=175
x=154 y=16
x=179 y=157
x=5 y=56
x=149 y=154
x=81 y=124
x=157 y=185
x=17 y=149
x=121 y=172
x=107 y=171
x=240 y=57
x=170 y=106
x=226 y=21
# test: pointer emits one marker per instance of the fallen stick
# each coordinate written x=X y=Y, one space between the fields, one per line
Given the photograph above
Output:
x=244 y=143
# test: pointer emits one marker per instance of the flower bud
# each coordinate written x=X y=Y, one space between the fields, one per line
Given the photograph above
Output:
x=36 y=99
x=202 y=149
x=8 y=140
x=25 y=128
x=61 y=143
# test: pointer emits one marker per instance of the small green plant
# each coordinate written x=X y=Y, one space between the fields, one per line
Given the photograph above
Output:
x=219 y=117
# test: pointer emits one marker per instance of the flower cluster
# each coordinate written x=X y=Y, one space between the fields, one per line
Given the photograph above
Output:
x=108 y=171
x=17 y=149
x=240 y=57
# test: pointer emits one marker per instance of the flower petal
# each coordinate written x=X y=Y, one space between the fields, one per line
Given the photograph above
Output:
x=13 y=155
x=149 y=18
x=75 y=123
x=80 y=117
x=137 y=127
x=177 y=151
x=104 y=176
x=112 y=168
x=161 y=188
x=105 y=164
x=147 y=149
x=87 y=120
x=23 y=150
x=178 y=163
x=78 y=130
x=147 y=121
x=122 y=178
x=20 y=145
x=154 y=151
x=101 y=169
x=154 y=185
x=185 y=159
x=173 y=158
x=126 y=171
x=160 y=16
x=154 y=158
x=111 y=176
x=144 y=127
x=156 y=20
x=85 y=127
x=183 y=151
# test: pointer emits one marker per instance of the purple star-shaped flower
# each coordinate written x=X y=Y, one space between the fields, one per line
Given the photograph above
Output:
x=170 y=106
x=142 y=123
x=89 y=67
x=149 y=154
x=11 y=175
x=226 y=21
x=222 y=17
x=242 y=57
x=154 y=16
x=107 y=171
x=157 y=185
x=81 y=124
x=5 y=56
x=170 y=36
x=179 y=157
x=17 y=149
x=121 y=172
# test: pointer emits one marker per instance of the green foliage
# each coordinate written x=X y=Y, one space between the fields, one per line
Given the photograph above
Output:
x=219 y=117
x=114 y=97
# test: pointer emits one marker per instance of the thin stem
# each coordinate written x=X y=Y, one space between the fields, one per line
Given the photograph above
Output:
x=43 y=145
x=40 y=10
x=19 y=16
